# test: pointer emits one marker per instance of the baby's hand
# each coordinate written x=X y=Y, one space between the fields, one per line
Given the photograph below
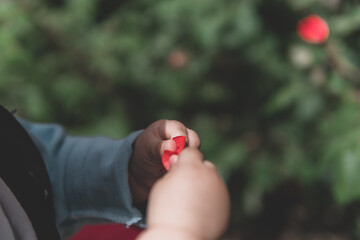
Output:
x=190 y=202
x=145 y=166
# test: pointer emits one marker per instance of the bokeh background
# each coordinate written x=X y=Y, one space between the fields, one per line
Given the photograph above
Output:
x=278 y=116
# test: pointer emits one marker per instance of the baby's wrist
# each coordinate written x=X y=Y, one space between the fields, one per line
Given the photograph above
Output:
x=160 y=233
x=139 y=194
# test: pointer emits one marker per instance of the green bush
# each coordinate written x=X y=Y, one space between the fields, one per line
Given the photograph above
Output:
x=278 y=116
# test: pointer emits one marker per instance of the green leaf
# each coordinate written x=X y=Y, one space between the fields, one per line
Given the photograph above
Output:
x=346 y=186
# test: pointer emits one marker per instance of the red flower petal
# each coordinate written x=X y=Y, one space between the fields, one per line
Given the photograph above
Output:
x=165 y=158
x=313 y=29
x=180 y=144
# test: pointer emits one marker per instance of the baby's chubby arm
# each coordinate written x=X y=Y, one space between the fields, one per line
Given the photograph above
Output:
x=190 y=202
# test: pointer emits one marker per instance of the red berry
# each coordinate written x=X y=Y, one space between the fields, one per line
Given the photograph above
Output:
x=313 y=29
x=177 y=59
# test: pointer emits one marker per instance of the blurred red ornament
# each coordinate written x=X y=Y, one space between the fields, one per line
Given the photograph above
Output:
x=177 y=59
x=313 y=29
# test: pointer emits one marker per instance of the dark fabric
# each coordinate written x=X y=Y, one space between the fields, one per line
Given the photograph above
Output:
x=14 y=223
x=22 y=169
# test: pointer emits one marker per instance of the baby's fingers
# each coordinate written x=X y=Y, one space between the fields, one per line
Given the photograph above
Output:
x=193 y=138
x=168 y=129
x=168 y=145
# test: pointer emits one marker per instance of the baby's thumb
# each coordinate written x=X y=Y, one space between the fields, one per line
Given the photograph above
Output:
x=188 y=156
x=173 y=160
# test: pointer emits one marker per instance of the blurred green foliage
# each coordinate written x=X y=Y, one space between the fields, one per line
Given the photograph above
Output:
x=269 y=108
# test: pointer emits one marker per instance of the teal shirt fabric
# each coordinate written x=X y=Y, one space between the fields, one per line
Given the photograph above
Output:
x=88 y=175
